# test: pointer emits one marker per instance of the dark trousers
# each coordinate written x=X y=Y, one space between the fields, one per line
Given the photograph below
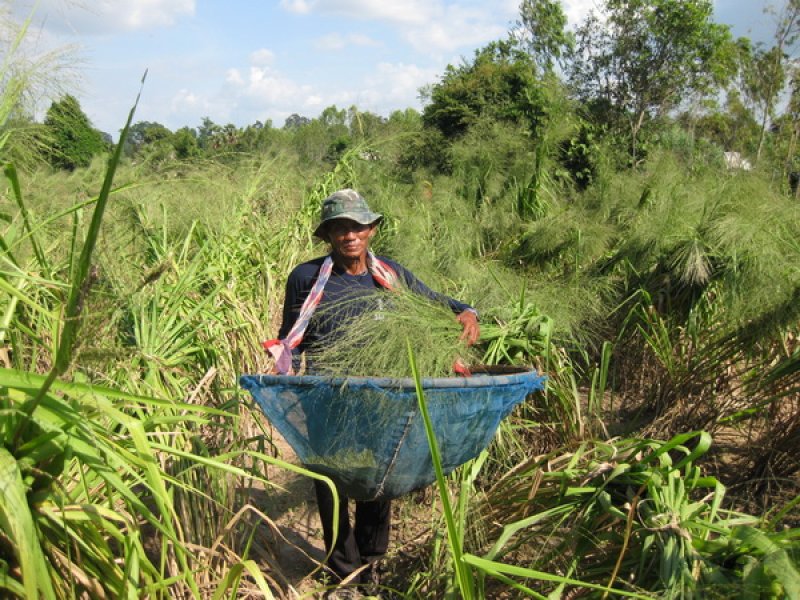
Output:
x=355 y=546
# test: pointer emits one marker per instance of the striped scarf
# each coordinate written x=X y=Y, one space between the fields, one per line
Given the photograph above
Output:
x=281 y=349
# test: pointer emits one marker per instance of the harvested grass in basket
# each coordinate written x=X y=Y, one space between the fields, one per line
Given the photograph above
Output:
x=374 y=343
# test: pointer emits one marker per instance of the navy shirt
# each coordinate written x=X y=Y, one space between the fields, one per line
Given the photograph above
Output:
x=353 y=293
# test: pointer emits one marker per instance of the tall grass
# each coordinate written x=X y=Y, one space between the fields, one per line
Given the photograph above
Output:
x=102 y=488
x=673 y=292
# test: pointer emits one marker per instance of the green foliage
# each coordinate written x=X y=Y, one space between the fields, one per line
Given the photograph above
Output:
x=647 y=56
x=184 y=140
x=73 y=139
x=541 y=30
x=500 y=83
x=426 y=149
x=627 y=516
x=669 y=290
x=376 y=341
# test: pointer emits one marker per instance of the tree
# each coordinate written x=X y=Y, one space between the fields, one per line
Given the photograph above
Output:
x=786 y=37
x=541 y=30
x=295 y=121
x=647 y=56
x=364 y=125
x=206 y=133
x=184 y=141
x=73 y=139
x=145 y=133
x=500 y=83
x=763 y=77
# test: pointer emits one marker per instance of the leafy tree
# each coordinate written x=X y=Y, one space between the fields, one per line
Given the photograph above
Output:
x=732 y=127
x=541 y=30
x=295 y=121
x=333 y=117
x=258 y=137
x=364 y=125
x=426 y=150
x=184 y=140
x=787 y=34
x=145 y=133
x=73 y=139
x=763 y=78
x=647 y=56
x=500 y=83
x=322 y=139
x=206 y=132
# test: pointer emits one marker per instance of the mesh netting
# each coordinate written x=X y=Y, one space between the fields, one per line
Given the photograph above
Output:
x=367 y=433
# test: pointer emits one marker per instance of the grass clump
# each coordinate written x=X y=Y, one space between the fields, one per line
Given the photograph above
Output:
x=374 y=342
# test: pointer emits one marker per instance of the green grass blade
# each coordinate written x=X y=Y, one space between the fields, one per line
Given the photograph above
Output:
x=17 y=523
x=81 y=279
x=463 y=575
x=496 y=568
x=11 y=174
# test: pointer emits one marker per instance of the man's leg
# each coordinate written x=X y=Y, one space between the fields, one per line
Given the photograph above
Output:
x=345 y=557
x=372 y=528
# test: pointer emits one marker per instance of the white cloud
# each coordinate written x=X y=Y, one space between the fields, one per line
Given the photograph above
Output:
x=262 y=57
x=359 y=39
x=264 y=92
x=184 y=100
x=576 y=10
x=336 y=41
x=267 y=87
x=454 y=27
x=428 y=25
x=398 y=11
x=314 y=101
x=397 y=85
x=234 y=77
x=107 y=16
x=297 y=6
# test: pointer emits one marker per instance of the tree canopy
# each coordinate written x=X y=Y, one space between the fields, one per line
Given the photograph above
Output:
x=73 y=139
x=645 y=57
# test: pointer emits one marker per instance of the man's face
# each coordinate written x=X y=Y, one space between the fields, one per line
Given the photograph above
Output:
x=348 y=238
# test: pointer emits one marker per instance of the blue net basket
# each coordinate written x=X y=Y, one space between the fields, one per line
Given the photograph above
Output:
x=367 y=433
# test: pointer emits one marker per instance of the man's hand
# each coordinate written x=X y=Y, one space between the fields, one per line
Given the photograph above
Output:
x=472 y=331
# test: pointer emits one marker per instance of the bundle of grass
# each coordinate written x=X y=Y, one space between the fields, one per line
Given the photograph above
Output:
x=374 y=342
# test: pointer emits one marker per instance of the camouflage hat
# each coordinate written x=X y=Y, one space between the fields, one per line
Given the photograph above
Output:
x=346 y=204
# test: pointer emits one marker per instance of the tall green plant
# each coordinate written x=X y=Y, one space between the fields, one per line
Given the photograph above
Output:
x=628 y=516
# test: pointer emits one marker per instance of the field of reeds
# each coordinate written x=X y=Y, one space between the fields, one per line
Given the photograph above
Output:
x=131 y=461
x=661 y=301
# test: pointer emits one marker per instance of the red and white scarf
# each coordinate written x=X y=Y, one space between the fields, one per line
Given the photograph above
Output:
x=281 y=349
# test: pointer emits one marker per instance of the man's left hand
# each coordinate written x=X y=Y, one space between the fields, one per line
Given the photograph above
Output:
x=472 y=331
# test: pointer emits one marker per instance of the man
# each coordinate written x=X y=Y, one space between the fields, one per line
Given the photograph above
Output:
x=349 y=276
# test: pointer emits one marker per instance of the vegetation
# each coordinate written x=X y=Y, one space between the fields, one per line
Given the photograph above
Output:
x=73 y=141
x=374 y=344
x=606 y=243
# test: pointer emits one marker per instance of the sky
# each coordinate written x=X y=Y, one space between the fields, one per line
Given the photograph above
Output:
x=238 y=61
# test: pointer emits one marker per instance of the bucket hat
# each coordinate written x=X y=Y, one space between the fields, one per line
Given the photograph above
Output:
x=346 y=204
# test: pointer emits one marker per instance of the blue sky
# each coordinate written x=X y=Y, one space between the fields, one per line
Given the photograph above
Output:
x=238 y=62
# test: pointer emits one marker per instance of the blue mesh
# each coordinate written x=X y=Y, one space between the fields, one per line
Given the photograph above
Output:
x=367 y=434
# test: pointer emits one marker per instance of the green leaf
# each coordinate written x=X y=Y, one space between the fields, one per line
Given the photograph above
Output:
x=17 y=523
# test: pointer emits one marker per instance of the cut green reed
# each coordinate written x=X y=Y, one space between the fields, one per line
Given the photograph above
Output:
x=374 y=341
